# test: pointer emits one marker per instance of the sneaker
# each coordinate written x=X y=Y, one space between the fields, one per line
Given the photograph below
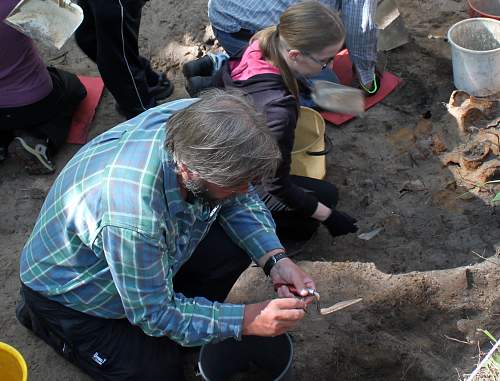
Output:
x=201 y=67
x=163 y=89
x=34 y=153
x=196 y=85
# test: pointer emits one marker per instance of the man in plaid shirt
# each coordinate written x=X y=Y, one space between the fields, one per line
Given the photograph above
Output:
x=144 y=233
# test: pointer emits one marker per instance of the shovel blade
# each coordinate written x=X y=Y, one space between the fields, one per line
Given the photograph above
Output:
x=387 y=12
x=338 y=98
x=339 y=306
x=47 y=21
x=392 y=31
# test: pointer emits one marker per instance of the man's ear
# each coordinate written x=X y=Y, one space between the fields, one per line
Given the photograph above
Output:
x=186 y=173
x=293 y=54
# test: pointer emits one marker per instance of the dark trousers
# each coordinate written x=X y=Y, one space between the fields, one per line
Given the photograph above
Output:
x=114 y=349
x=49 y=118
x=295 y=226
x=109 y=36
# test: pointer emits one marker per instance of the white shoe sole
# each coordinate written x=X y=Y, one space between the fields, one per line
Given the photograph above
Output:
x=39 y=158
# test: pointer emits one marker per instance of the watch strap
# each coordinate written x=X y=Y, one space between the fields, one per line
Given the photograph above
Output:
x=273 y=259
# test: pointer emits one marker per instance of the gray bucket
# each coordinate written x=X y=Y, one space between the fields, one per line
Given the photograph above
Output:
x=475 y=53
x=254 y=357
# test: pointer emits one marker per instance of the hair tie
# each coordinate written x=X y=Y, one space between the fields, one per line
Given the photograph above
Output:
x=278 y=30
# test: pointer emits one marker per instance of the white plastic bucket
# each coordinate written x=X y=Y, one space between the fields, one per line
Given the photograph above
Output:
x=475 y=53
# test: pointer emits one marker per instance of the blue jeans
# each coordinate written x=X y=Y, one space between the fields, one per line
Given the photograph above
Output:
x=232 y=42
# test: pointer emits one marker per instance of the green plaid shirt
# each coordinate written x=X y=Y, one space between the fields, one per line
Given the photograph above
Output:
x=114 y=231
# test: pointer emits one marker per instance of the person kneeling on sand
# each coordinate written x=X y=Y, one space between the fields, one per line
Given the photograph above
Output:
x=305 y=41
x=234 y=22
x=143 y=235
x=36 y=102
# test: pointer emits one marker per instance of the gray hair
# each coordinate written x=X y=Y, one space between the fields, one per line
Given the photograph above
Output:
x=223 y=139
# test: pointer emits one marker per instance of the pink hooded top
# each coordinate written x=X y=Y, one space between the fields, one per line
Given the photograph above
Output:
x=251 y=64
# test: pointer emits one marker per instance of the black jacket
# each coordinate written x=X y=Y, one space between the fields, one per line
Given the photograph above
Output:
x=279 y=106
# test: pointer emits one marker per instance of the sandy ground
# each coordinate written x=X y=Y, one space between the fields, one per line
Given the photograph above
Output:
x=425 y=286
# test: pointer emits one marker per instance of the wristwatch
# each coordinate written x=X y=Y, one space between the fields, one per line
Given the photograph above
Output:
x=273 y=259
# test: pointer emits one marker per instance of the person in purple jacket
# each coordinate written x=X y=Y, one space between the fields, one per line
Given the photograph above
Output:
x=36 y=102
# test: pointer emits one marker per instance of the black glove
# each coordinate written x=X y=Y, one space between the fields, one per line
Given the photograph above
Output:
x=340 y=223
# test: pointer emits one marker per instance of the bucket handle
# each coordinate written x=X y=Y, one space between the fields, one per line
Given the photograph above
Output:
x=328 y=148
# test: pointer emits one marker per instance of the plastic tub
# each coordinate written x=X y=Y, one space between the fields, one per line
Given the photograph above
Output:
x=12 y=364
x=475 y=53
x=309 y=151
x=484 y=8
x=252 y=358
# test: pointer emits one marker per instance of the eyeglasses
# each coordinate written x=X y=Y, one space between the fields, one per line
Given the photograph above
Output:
x=323 y=65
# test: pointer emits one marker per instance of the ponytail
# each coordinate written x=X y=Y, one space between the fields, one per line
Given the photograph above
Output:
x=308 y=27
x=269 y=42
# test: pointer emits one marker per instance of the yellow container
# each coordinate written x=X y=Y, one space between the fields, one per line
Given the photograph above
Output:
x=308 y=154
x=12 y=364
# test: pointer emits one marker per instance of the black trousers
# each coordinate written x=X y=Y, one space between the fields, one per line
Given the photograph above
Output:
x=114 y=349
x=295 y=226
x=49 y=118
x=109 y=36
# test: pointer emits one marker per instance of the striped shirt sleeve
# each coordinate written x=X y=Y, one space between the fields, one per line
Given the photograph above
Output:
x=249 y=223
x=141 y=271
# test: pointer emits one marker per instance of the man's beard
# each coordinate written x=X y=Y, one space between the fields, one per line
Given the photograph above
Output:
x=198 y=189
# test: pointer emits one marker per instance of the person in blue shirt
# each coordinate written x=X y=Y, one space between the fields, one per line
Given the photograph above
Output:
x=144 y=233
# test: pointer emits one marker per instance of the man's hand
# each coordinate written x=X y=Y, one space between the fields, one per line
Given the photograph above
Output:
x=272 y=318
x=287 y=272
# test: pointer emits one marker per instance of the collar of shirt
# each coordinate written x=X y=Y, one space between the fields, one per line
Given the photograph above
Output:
x=176 y=204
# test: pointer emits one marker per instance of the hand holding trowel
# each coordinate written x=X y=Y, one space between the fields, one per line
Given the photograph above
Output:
x=312 y=292
x=334 y=97
x=49 y=21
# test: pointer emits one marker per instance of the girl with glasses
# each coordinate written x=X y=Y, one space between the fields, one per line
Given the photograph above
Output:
x=271 y=71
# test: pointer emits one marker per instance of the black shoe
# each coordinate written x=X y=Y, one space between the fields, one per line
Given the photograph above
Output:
x=202 y=67
x=34 y=152
x=196 y=85
x=22 y=312
x=163 y=89
x=4 y=152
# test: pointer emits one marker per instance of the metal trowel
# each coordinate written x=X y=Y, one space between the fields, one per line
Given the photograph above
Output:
x=49 y=21
x=392 y=32
x=312 y=292
x=334 y=97
x=338 y=306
